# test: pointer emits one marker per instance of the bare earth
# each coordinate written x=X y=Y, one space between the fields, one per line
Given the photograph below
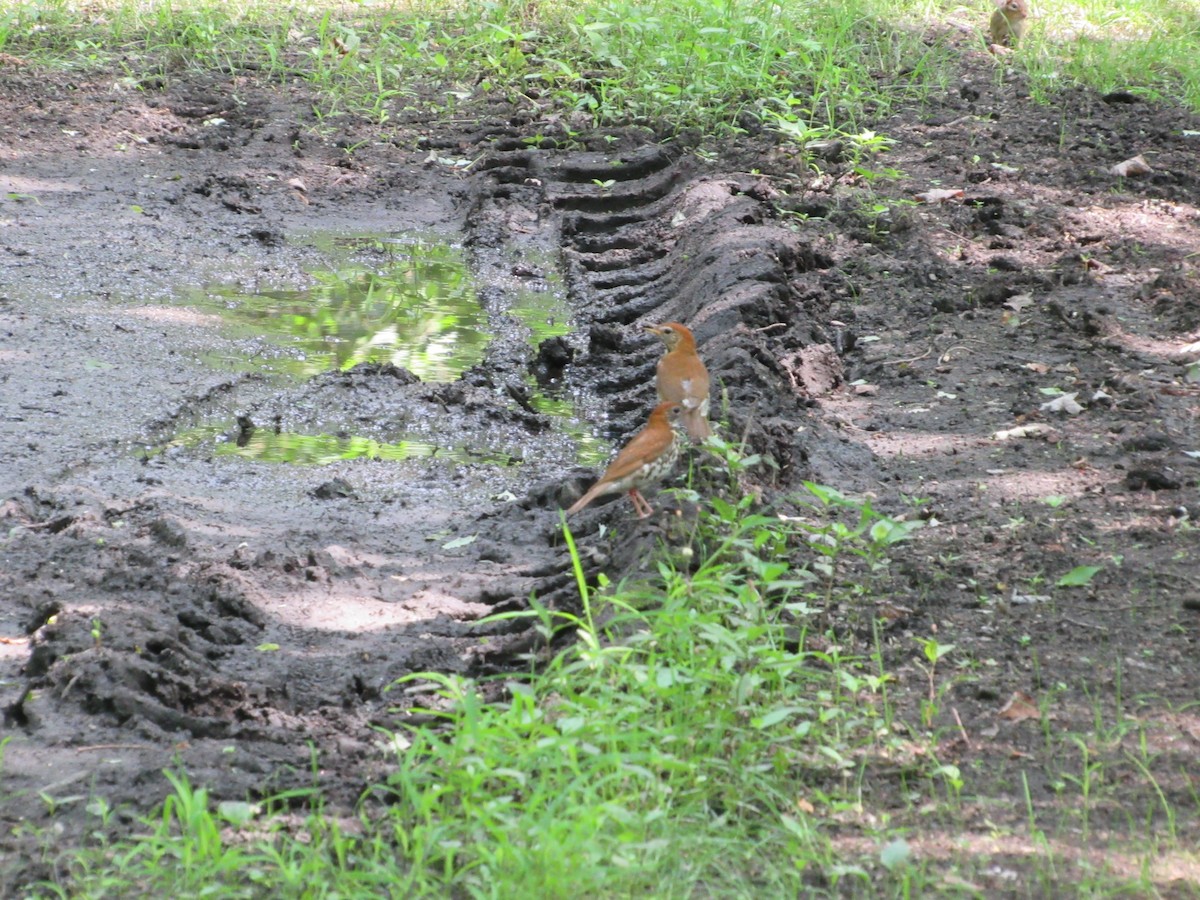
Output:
x=252 y=614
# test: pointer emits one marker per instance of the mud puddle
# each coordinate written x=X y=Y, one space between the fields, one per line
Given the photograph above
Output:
x=405 y=304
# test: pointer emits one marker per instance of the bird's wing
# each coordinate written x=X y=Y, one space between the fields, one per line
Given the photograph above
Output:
x=646 y=445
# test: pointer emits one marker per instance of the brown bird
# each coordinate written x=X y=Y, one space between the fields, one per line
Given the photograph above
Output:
x=1008 y=22
x=682 y=377
x=648 y=457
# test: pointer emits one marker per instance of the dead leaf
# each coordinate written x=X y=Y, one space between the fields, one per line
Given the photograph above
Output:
x=866 y=390
x=1135 y=165
x=1018 y=302
x=1040 y=368
x=1026 y=431
x=891 y=612
x=1020 y=706
x=297 y=184
x=940 y=195
x=1065 y=403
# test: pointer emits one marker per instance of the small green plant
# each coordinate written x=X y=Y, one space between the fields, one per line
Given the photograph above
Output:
x=933 y=652
x=1080 y=576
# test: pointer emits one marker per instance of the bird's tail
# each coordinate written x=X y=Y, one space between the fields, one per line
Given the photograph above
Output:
x=696 y=424
x=592 y=493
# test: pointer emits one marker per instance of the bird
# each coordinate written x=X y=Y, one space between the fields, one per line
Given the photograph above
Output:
x=648 y=457
x=1008 y=22
x=682 y=377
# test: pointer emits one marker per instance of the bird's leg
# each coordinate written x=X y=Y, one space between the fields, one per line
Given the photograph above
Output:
x=643 y=508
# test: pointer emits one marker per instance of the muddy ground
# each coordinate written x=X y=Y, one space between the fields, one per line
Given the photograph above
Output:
x=165 y=605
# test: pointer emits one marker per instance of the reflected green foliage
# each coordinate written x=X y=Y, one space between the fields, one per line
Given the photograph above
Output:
x=188 y=437
x=386 y=300
x=419 y=312
x=322 y=449
x=590 y=449
x=547 y=315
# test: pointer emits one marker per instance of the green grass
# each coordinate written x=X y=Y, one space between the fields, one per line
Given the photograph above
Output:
x=682 y=745
x=690 y=740
x=839 y=67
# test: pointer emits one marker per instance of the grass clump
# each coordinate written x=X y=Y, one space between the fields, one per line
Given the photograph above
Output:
x=703 y=732
x=726 y=66
x=687 y=739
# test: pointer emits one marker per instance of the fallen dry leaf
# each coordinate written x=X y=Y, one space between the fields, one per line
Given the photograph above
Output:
x=297 y=184
x=890 y=612
x=1019 y=706
x=1063 y=404
x=1026 y=431
x=1040 y=368
x=940 y=195
x=1131 y=167
x=866 y=390
x=1019 y=301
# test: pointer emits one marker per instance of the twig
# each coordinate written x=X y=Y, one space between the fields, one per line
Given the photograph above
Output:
x=912 y=359
x=962 y=731
x=771 y=327
x=945 y=356
x=1129 y=608
x=91 y=747
x=1085 y=624
x=46 y=524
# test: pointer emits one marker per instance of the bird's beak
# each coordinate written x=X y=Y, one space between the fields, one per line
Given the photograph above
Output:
x=653 y=329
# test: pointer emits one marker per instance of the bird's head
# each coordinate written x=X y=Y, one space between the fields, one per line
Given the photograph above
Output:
x=668 y=412
x=672 y=334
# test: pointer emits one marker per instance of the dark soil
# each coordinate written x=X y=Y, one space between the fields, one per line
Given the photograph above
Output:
x=870 y=345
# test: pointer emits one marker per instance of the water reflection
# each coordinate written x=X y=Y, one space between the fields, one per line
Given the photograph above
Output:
x=323 y=449
x=547 y=315
x=387 y=299
x=419 y=311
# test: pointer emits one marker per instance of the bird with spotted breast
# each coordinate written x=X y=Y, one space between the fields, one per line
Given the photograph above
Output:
x=648 y=457
x=682 y=377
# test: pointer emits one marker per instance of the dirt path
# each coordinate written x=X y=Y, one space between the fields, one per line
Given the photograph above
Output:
x=166 y=604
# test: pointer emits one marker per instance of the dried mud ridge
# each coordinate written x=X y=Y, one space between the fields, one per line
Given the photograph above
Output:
x=780 y=308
